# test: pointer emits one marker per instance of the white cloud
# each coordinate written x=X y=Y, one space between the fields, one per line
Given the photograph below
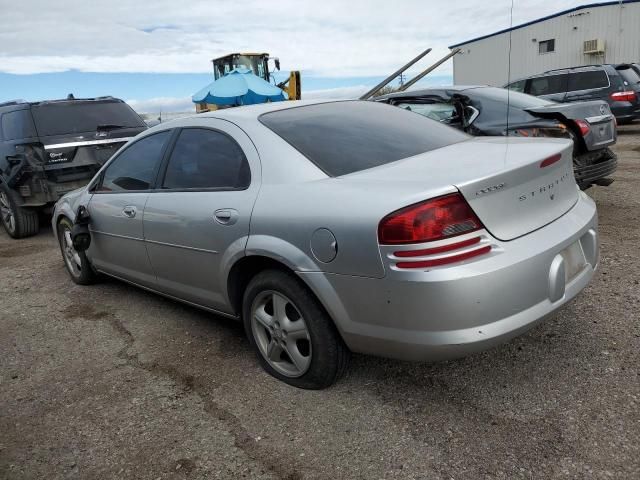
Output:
x=329 y=38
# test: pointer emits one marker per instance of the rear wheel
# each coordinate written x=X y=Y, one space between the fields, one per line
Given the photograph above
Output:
x=19 y=222
x=293 y=336
x=77 y=263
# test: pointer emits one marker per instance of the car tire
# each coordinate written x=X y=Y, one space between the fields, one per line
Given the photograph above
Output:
x=77 y=264
x=19 y=222
x=293 y=336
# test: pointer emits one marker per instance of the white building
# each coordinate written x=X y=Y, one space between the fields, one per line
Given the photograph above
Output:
x=606 y=32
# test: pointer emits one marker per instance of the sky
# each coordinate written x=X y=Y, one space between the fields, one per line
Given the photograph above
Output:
x=157 y=54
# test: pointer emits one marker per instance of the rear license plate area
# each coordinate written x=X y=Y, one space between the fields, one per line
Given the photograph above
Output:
x=574 y=260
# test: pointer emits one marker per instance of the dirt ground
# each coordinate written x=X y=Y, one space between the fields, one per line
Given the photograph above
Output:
x=110 y=381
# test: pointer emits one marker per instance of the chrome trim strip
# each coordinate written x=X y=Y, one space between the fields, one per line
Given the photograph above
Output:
x=117 y=236
x=181 y=246
x=598 y=118
x=87 y=142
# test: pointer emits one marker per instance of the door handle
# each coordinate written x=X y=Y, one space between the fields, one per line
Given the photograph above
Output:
x=226 y=216
x=129 y=211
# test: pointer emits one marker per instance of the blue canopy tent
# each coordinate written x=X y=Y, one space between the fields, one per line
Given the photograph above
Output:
x=238 y=87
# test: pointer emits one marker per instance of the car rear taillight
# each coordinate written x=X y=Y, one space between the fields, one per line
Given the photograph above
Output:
x=628 y=96
x=583 y=126
x=435 y=219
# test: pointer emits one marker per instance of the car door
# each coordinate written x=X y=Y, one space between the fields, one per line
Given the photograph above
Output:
x=116 y=210
x=198 y=217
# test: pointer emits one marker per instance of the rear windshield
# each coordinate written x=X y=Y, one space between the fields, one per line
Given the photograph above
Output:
x=629 y=75
x=76 y=117
x=502 y=95
x=347 y=137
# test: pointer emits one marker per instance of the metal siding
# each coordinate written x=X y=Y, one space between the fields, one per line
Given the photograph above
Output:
x=485 y=61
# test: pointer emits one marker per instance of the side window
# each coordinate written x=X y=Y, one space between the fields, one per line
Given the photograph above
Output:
x=517 y=86
x=204 y=158
x=135 y=167
x=17 y=125
x=588 y=80
x=548 y=85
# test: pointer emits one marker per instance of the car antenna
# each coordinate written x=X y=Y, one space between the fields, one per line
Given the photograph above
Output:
x=509 y=68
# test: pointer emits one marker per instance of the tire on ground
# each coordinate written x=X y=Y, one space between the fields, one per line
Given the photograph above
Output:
x=25 y=220
x=329 y=354
x=86 y=275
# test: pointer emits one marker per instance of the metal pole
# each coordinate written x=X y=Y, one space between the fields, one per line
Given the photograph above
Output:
x=429 y=70
x=393 y=75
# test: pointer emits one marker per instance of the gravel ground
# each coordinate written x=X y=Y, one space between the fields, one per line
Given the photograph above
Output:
x=110 y=381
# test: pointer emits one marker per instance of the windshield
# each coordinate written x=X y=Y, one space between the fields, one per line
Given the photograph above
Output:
x=516 y=99
x=255 y=63
x=78 y=117
x=347 y=137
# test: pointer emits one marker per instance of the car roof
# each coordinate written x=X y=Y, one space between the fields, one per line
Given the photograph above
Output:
x=253 y=111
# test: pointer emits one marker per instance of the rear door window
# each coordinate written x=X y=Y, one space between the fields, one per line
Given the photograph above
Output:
x=206 y=159
x=135 y=167
x=346 y=137
x=17 y=125
x=83 y=116
x=548 y=85
x=588 y=80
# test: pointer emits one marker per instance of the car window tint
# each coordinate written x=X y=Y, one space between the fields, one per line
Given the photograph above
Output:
x=435 y=111
x=350 y=136
x=548 y=85
x=205 y=158
x=630 y=76
x=84 y=116
x=17 y=125
x=135 y=167
x=588 y=80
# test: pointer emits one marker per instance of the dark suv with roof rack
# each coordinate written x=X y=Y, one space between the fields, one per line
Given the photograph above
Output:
x=615 y=84
x=52 y=147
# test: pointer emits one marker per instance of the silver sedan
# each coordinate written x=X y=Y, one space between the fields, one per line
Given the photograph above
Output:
x=339 y=227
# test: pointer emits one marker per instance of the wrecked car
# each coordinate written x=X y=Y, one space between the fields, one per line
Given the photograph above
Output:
x=51 y=147
x=482 y=110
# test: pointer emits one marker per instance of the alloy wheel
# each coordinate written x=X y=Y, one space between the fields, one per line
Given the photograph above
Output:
x=6 y=213
x=71 y=256
x=281 y=333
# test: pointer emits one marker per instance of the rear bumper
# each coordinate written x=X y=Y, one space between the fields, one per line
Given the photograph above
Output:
x=590 y=170
x=451 y=312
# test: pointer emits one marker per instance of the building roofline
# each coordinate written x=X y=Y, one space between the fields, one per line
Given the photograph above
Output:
x=532 y=22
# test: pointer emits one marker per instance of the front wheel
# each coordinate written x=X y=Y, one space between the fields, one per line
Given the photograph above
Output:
x=293 y=336
x=77 y=263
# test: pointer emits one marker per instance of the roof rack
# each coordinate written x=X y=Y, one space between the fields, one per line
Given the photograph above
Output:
x=570 y=68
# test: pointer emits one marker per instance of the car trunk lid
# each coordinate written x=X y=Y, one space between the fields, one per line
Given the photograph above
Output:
x=597 y=114
x=514 y=185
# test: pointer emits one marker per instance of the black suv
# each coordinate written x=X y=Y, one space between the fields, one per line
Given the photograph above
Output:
x=52 y=147
x=611 y=83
